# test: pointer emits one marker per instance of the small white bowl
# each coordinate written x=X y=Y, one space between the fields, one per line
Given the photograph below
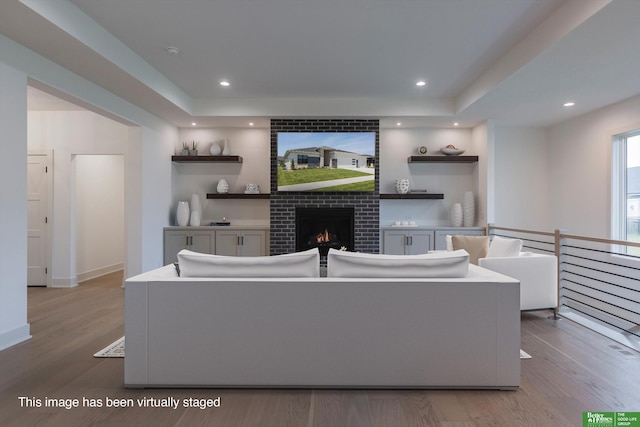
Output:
x=451 y=151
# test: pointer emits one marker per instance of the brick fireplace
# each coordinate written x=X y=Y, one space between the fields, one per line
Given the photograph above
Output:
x=283 y=205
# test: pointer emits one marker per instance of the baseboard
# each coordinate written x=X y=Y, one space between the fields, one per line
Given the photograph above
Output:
x=15 y=336
x=98 y=272
x=71 y=282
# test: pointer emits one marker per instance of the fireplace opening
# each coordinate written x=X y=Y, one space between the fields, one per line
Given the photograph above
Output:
x=324 y=228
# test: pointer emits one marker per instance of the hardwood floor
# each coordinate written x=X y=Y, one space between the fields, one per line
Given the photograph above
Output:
x=572 y=370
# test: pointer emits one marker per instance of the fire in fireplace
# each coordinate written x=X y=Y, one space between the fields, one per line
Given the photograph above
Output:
x=324 y=228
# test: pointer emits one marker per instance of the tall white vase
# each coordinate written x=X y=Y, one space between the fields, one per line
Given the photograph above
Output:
x=196 y=211
x=456 y=215
x=182 y=213
x=225 y=150
x=468 y=209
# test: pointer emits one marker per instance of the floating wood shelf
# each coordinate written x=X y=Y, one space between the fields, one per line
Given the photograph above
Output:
x=443 y=158
x=238 y=196
x=421 y=196
x=206 y=159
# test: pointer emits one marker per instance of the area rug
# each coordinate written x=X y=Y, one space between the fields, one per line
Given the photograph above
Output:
x=115 y=349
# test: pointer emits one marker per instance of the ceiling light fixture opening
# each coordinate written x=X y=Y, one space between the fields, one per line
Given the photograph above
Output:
x=250 y=123
x=224 y=83
x=421 y=83
x=193 y=123
x=569 y=104
x=456 y=124
x=399 y=124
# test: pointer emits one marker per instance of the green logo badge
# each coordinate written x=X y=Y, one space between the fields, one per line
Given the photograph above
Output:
x=611 y=419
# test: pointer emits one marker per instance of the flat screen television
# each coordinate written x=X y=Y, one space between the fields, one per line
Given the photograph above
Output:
x=326 y=161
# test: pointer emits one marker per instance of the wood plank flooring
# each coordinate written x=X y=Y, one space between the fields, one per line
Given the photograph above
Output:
x=572 y=370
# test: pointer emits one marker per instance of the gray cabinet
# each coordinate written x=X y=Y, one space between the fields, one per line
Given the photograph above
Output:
x=195 y=240
x=420 y=240
x=407 y=242
x=241 y=242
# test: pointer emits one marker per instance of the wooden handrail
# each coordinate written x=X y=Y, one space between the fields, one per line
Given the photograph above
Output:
x=559 y=235
x=519 y=230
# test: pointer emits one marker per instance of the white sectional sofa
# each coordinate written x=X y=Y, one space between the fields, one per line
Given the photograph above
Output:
x=323 y=332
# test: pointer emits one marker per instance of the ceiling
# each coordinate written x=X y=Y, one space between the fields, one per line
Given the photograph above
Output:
x=512 y=61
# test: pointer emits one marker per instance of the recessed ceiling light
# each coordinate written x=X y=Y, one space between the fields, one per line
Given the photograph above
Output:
x=250 y=123
x=569 y=104
x=171 y=50
x=224 y=83
x=421 y=83
x=193 y=123
x=456 y=124
x=399 y=124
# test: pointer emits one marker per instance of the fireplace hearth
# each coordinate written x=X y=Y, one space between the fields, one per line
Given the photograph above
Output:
x=324 y=228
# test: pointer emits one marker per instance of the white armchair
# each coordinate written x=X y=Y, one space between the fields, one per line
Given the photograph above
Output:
x=538 y=275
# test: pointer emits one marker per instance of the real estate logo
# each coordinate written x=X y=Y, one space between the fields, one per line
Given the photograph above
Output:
x=610 y=419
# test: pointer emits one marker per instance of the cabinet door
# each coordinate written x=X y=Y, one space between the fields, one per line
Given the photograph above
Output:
x=418 y=242
x=227 y=243
x=393 y=242
x=253 y=243
x=174 y=242
x=202 y=241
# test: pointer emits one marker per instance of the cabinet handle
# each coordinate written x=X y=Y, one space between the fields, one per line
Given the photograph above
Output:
x=187 y=239
x=410 y=240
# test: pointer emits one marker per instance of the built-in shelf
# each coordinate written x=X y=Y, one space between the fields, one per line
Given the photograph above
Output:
x=422 y=196
x=443 y=158
x=206 y=159
x=238 y=196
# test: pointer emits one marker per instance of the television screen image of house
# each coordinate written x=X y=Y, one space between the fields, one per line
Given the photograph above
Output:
x=326 y=161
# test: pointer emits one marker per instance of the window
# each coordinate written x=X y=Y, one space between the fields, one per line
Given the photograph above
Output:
x=625 y=218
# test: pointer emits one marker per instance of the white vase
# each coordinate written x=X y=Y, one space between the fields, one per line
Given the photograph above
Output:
x=194 y=220
x=223 y=186
x=402 y=186
x=215 y=149
x=182 y=213
x=225 y=150
x=195 y=203
x=468 y=209
x=456 y=215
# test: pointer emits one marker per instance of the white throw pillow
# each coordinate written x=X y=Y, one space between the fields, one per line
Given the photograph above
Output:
x=501 y=247
x=440 y=264
x=297 y=264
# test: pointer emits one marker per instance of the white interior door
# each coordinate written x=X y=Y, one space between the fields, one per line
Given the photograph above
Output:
x=37 y=199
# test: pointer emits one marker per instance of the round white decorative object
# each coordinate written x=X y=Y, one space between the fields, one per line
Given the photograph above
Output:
x=422 y=150
x=456 y=215
x=223 y=186
x=402 y=186
x=468 y=209
x=194 y=221
x=215 y=149
x=225 y=150
x=182 y=213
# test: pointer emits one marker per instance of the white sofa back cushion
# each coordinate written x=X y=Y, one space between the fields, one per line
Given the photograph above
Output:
x=297 y=264
x=439 y=264
x=502 y=247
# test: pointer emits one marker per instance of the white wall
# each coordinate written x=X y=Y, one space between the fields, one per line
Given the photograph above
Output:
x=13 y=207
x=147 y=173
x=580 y=168
x=253 y=145
x=521 y=176
x=396 y=145
x=99 y=197
x=71 y=133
